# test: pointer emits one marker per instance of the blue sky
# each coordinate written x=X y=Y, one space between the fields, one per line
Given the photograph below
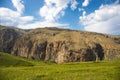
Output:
x=100 y=16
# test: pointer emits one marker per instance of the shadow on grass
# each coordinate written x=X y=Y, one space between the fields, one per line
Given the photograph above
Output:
x=42 y=77
x=7 y=60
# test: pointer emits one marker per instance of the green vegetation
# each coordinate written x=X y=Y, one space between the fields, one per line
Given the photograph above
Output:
x=17 y=68
x=7 y=60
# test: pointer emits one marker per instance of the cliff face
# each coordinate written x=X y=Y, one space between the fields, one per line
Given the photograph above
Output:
x=59 y=45
x=60 y=52
x=7 y=39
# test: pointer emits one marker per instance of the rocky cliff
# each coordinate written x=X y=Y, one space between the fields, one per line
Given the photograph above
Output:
x=7 y=39
x=64 y=45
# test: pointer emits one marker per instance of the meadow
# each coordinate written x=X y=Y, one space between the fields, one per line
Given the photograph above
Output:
x=18 y=68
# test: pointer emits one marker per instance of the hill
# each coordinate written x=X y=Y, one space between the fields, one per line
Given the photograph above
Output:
x=60 y=45
x=7 y=60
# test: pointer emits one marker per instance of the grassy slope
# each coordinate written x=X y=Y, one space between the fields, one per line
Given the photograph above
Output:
x=7 y=60
x=16 y=68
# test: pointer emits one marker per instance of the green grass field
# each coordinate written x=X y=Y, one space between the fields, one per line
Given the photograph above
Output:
x=17 y=68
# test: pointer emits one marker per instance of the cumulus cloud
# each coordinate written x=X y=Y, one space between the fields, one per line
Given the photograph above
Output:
x=51 y=11
x=85 y=3
x=18 y=5
x=74 y=4
x=5 y=12
x=54 y=9
x=10 y=17
x=40 y=24
x=104 y=20
x=13 y=18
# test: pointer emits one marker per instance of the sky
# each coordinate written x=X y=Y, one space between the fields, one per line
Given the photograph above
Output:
x=102 y=16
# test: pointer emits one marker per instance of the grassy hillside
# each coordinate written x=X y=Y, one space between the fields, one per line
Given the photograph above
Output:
x=7 y=60
x=16 y=68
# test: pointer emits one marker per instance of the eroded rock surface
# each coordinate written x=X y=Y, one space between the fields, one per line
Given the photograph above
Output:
x=7 y=39
x=60 y=45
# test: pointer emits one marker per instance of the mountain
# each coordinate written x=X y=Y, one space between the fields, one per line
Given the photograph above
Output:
x=59 y=45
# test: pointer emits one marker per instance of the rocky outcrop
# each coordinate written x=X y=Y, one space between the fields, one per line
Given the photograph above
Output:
x=30 y=49
x=112 y=53
x=59 y=52
x=7 y=39
x=60 y=45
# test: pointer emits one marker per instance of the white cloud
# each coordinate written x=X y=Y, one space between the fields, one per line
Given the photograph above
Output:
x=104 y=20
x=9 y=17
x=74 y=4
x=5 y=12
x=85 y=3
x=13 y=18
x=84 y=13
x=51 y=11
x=18 y=5
x=54 y=9
x=40 y=24
x=80 y=9
x=26 y=19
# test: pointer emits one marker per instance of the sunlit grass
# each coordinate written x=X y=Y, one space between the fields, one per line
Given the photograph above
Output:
x=38 y=70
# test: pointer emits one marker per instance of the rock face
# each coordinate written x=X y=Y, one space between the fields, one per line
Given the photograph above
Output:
x=7 y=39
x=63 y=45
